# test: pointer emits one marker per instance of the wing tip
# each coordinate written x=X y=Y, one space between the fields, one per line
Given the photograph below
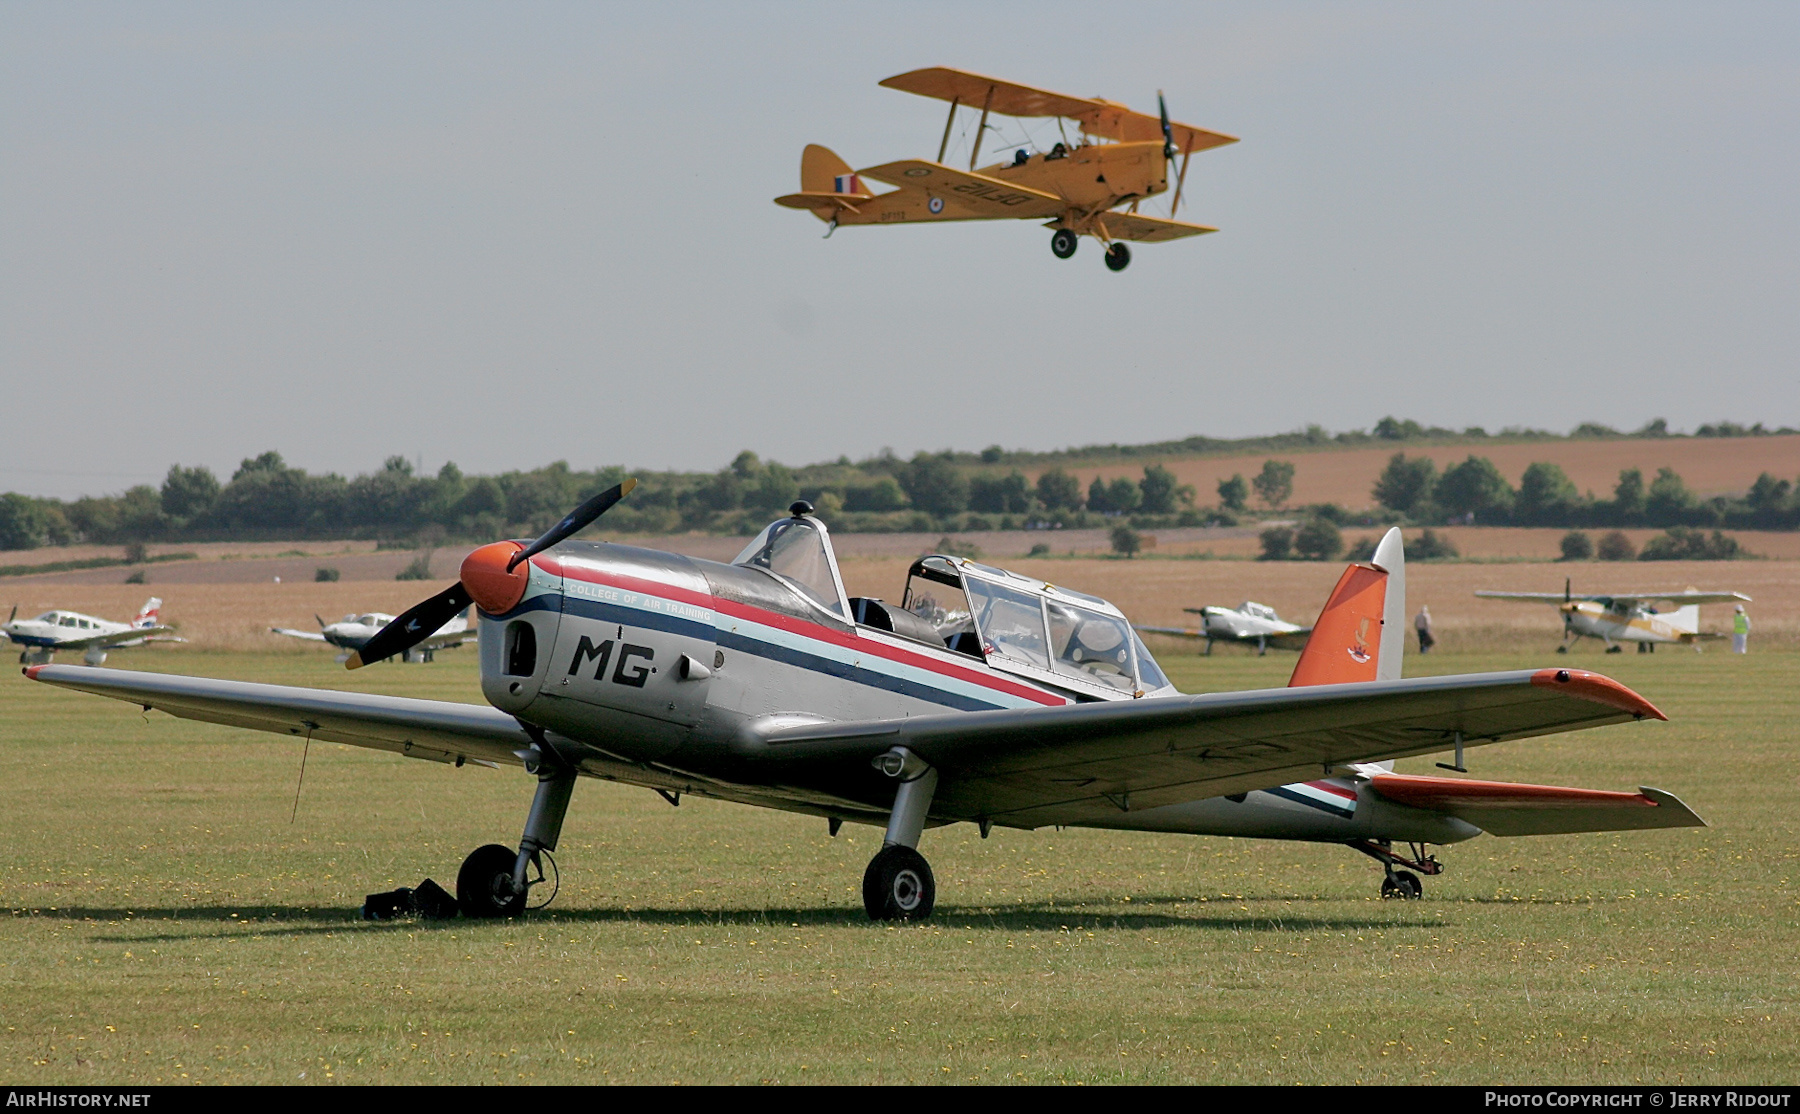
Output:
x=32 y=670
x=1598 y=688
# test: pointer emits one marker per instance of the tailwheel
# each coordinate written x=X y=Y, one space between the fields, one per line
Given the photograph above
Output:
x=1615 y=649
x=1118 y=257
x=484 y=885
x=1063 y=243
x=1402 y=885
x=898 y=885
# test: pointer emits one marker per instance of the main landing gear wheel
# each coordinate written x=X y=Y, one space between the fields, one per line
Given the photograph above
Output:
x=1118 y=257
x=484 y=885
x=1402 y=885
x=898 y=886
x=1063 y=243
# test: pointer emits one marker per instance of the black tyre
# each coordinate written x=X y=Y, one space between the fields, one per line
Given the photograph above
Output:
x=898 y=886
x=1118 y=257
x=1402 y=885
x=1063 y=243
x=484 y=884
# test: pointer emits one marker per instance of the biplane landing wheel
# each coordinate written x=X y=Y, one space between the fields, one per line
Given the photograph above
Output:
x=898 y=886
x=1402 y=885
x=1118 y=257
x=484 y=886
x=1063 y=243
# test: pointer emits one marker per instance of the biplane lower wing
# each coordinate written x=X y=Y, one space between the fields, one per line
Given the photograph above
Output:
x=1505 y=809
x=967 y=196
x=1088 y=762
x=1148 y=230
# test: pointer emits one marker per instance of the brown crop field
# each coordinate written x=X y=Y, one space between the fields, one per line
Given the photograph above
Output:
x=1710 y=466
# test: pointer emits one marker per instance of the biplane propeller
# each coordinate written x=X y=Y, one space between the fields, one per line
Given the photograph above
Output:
x=1089 y=187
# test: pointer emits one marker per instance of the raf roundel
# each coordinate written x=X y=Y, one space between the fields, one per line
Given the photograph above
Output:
x=937 y=205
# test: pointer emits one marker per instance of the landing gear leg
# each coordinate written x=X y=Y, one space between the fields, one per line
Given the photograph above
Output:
x=1403 y=885
x=1118 y=257
x=898 y=885
x=494 y=880
x=94 y=657
x=1063 y=243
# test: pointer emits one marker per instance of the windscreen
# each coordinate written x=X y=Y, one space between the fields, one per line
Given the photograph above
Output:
x=1150 y=675
x=1010 y=622
x=1091 y=645
x=796 y=550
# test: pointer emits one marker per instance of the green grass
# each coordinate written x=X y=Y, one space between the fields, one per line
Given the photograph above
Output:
x=168 y=923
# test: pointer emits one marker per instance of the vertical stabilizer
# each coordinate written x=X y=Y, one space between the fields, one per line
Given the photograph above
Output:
x=820 y=170
x=1685 y=619
x=149 y=616
x=1361 y=633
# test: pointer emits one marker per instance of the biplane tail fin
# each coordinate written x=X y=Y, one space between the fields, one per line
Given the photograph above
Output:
x=821 y=171
x=1361 y=633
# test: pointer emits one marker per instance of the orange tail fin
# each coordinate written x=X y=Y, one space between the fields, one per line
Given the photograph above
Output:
x=1361 y=634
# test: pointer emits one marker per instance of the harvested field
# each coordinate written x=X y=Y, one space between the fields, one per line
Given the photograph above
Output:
x=1710 y=466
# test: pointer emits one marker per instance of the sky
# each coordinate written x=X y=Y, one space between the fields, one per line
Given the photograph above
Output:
x=510 y=234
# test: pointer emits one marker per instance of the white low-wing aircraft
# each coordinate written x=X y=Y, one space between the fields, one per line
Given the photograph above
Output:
x=1627 y=616
x=71 y=630
x=352 y=633
x=1249 y=622
x=760 y=682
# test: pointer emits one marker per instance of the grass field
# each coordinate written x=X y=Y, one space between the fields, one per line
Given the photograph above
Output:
x=169 y=924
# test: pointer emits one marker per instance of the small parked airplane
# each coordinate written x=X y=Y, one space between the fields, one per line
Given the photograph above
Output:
x=1627 y=616
x=352 y=633
x=761 y=682
x=71 y=630
x=1248 y=622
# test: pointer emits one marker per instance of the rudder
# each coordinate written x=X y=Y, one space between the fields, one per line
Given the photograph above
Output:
x=820 y=169
x=1361 y=633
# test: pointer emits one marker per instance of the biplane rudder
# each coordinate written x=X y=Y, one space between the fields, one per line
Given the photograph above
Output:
x=821 y=171
x=1361 y=633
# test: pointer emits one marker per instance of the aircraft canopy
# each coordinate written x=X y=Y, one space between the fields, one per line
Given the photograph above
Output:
x=798 y=550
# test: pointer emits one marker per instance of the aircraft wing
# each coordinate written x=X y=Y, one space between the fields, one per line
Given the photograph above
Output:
x=1286 y=640
x=433 y=729
x=309 y=635
x=1684 y=597
x=1149 y=230
x=448 y=640
x=1504 y=809
x=978 y=194
x=1087 y=762
x=134 y=634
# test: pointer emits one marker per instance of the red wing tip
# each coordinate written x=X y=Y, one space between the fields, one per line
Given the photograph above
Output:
x=32 y=670
x=1598 y=688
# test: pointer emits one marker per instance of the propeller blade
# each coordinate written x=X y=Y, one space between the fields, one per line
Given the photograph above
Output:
x=577 y=521
x=1162 y=110
x=14 y=615
x=1566 y=596
x=318 y=620
x=411 y=627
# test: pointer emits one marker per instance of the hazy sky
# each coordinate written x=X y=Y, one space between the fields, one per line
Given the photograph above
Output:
x=510 y=234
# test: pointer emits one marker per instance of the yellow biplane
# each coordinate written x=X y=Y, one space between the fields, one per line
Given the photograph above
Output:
x=1117 y=158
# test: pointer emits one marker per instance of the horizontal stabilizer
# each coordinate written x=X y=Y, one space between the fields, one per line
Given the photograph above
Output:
x=821 y=199
x=1507 y=809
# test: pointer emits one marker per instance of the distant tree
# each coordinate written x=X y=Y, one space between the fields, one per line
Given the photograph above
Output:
x=1234 y=494
x=935 y=484
x=773 y=490
x=23 y=523
x=1277 y=543
x=1546 y=496
x=1008 y=494
x=1668 y=500
x=267 y=462
x=1655 y=427
x=1121 y=496
x=1628 y=496
x=881 y=495
x=189 y=493
x=1318 y=539
x=1431 y=546
x=1684 y=543
x=1125 y=541
x=420 y=569
x=1404 y=485
x=325 y=575
x=993 y=454
x=1392 y=429
x=1615 y=546
x=1474 y=487
x=1274 y=483
x=1161 y=491
x=1057 y=491
x=1768 y=494
x=1593 y=429
x=1576 y=546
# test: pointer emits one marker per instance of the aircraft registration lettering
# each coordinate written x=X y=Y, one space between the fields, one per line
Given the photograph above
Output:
x=635 y=677
x=992 y=193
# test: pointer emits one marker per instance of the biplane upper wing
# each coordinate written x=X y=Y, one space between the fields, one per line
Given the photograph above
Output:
x=1088 y=762
x=975 y=194
x=1149 y=230
x=1096 y=115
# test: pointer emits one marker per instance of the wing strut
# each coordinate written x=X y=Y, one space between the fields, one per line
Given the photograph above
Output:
x=944 y=144
x=975 y=147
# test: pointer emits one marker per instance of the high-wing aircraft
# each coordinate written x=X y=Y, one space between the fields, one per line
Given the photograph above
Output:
x=71 y=630
x=1076 y=185
x=1249 y=622
x=760 y=681
x=1627 y=616
x=352 y=633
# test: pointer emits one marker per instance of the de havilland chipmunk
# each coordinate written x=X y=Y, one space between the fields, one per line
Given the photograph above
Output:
x=1616 y=617
x=71 y=630
x=352 y=633
x=759 y=681
x=1249 y=622
x=1077 y=186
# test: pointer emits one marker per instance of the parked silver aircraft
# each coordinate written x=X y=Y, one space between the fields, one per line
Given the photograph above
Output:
x=352 y=633
x=1249 y=622
x=71 y=630
x=761 y=682
x=1628 y=617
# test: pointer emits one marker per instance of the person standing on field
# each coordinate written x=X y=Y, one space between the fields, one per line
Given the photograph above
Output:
x=1740 y=631
x=1422 y=624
